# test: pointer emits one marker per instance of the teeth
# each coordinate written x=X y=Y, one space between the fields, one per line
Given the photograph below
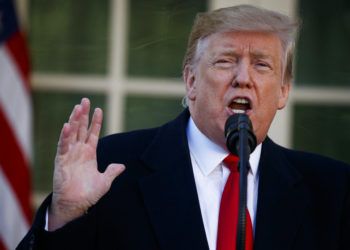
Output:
x=241 y=100
x=238 y=111
x=240 y=105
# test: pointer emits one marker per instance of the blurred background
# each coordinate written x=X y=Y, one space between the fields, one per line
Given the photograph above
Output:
x=126 y=55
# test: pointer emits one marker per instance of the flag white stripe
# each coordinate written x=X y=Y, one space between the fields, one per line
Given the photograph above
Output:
x=13 y=223
x=15 y=101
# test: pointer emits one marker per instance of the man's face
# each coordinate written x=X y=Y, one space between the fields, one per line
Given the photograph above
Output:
x=236 y=72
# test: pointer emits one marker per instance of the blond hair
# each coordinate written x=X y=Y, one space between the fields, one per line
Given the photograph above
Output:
x=244 y=18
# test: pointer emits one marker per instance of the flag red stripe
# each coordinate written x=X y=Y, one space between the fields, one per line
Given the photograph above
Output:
x=2 y=247
x=15 y=166
x=18 y=49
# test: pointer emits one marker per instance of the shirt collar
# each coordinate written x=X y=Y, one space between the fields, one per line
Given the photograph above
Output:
x=209 y=155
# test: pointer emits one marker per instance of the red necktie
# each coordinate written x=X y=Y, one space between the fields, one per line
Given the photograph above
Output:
x=228 y=216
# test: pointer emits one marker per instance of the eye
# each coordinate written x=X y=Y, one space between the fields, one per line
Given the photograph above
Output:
x=263 y=65
x=224 y=63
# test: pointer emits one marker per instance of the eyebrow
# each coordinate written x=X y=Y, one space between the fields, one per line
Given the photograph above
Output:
x=226 y=52
x=260 y=55
x=233 y=52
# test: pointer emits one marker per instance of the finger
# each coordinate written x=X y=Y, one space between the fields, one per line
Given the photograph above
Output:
x=112 y=171
x=74 y=123
x=95 y=128
x=63 y=142
x=83 y=119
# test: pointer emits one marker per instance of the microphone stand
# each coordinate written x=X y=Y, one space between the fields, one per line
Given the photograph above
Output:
x=241 y=141
x=243 y=167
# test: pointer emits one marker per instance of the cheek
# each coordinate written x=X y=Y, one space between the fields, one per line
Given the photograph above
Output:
x=218 y=81
x=270 y=91
x=209 y=85
x=269 y=101
x=224 y=76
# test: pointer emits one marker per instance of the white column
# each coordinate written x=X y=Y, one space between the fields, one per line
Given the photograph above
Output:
x=116 y=93
x=22 y=13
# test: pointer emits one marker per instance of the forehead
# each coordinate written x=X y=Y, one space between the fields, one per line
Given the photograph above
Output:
x=262 y=44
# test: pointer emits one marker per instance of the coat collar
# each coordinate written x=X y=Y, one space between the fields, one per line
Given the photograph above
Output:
x=169 y=192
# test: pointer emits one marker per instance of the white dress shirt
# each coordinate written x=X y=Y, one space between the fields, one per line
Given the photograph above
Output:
x=210 y=177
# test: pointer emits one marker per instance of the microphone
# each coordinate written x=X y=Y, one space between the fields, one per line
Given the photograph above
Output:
x=234 y=125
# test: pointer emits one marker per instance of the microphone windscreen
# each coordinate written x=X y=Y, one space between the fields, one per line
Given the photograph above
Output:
x=233 y=125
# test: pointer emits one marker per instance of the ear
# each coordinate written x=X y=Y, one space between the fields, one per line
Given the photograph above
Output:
x=285 y=88
x=190 y=81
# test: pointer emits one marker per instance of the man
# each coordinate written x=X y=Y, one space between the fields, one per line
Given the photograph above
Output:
x=239 y=60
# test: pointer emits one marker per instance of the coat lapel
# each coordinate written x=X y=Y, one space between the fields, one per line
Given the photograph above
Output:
x=282 y=200
x=169 y=193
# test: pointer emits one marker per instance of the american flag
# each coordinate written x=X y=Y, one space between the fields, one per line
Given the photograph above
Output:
x=15 y=130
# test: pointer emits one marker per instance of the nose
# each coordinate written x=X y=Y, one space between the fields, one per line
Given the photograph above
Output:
x=242 y=76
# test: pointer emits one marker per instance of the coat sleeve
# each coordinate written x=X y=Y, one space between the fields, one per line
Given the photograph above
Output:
x=77 y=234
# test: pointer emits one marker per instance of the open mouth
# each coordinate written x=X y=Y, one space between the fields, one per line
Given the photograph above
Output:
x=240 y=105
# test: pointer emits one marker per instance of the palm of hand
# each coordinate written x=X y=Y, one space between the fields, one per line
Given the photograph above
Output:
x=77 y=183
x=77 y=180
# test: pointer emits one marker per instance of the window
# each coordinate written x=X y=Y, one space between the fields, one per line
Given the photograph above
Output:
x=124 y=55
x=322 y=100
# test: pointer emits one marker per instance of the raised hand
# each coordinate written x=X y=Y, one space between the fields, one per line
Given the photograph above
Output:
x=77 y=183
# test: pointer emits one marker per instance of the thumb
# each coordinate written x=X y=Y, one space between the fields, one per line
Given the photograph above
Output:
x=113 y=170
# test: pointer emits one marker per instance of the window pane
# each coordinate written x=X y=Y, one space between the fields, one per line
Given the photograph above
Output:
x=158 y=32
x=323 y=129
x=51 y=111
x=146 y=112
x=323 y=50
x=69 y=36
